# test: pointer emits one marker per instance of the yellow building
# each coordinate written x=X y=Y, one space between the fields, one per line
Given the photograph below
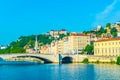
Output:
x=107 y=47
x=63 y=46
x=77 y=42
x=45 y=49
x=54 y=47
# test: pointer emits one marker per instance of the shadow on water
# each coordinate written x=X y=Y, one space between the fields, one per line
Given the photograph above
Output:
x=18 y=63
x=1 y=59
x=67 y=59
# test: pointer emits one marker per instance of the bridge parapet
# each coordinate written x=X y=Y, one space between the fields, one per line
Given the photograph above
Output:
x=53 y=58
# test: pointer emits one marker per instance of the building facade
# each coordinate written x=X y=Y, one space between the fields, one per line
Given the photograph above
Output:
x=77 y=42
x=55 y=33
x=107 y=47
x=45 y=49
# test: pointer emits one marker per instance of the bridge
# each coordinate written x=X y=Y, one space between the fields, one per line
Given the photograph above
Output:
x=58 y=58
x=47 y=58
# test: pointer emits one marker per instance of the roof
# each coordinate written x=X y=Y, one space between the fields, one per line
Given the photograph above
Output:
x=73 y=34
x=109 y=39
x=63 y=30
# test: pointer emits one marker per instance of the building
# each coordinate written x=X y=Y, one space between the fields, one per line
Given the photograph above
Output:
x=107 y=47
x=3 y=47
x=45 y=49
x=63 y=31
x=63 y=46
x=77 y=42
x=36 y=47
x=55 y=33
x=54 y=47
x=99 y=27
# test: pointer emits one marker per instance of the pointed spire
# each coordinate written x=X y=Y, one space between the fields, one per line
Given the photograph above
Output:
x=36 y=44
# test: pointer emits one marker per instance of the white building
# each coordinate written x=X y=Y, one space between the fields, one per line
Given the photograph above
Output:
x=3 y=47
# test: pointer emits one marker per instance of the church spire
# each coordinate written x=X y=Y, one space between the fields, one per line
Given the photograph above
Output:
x=36 y=44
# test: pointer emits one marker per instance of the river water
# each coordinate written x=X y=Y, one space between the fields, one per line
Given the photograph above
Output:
x=59 y=72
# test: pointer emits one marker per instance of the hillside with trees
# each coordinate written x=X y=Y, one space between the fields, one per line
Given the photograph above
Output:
x=18 y=46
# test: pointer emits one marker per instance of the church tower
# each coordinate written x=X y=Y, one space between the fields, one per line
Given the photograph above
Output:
x=36 y=45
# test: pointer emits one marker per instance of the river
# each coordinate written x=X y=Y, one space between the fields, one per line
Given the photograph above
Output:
x=59 y=72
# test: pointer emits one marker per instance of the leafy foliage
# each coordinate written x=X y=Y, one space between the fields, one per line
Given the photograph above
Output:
x=18 y=46
x=114 y=32
x=101 y=31
x=108 y=25
x=89 y=49
x=118 y=60
x=85 y=60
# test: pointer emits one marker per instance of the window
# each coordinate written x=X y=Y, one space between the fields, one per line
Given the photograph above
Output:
x=113 y=43
x=109 y=43
x=105 y=43
x=113 y=50
x=98 y=50
x=105 y=50
x=102 y=51
x=116 y=50
x=109 y=50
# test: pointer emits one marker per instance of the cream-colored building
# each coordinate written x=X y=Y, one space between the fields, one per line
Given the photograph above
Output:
x=54 y=47
x=55 y=33
x=45 y=49
x=107 y=47
x=77 y=42
x=63 y=46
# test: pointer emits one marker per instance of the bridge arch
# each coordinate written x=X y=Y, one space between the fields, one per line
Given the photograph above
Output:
x=67 y=59
x=38 y=57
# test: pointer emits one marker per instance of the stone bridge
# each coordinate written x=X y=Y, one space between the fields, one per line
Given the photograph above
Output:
x=47 y=58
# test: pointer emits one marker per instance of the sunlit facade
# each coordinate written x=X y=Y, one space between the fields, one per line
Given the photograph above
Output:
x=107 y=47
x=78 y=42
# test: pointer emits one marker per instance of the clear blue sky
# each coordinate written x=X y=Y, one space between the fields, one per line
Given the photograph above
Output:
x=26 y=17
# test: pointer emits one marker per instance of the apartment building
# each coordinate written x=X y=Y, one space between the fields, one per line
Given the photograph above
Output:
x=77 y=42
x=107 y=47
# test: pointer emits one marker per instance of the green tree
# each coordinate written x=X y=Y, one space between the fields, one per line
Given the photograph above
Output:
x=62 y=36
x=101 y=31
x=114 y=32
x=85 y=60
x=17 y=50
x=118 y=60
x=89 y=49
x=108 y=25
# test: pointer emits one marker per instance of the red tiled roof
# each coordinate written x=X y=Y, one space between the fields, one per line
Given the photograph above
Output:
x=109 y=39
x=73 y=34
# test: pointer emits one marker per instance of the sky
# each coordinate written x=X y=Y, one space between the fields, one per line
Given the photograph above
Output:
x=27 y=17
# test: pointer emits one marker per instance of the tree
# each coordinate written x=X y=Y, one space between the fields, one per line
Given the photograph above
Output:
x=61 y=36
x=85 y=60
x=118 y=60
x=114 y=32
x=108 y=25
x=89 y=49
x=101 y=31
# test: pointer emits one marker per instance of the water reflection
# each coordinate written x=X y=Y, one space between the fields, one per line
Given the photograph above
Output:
x=1 y=59
x=61 y=72
x=107 y=71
